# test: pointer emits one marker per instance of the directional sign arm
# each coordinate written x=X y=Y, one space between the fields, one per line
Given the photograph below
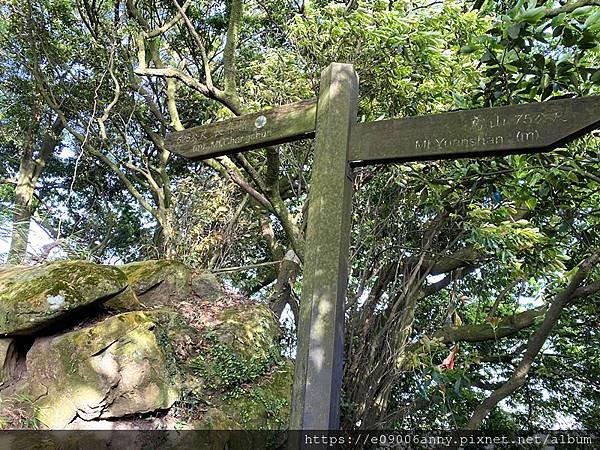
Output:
x=529 y=128
x=274 y=126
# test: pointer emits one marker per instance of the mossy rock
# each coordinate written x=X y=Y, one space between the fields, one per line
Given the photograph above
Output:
x=32 y=298
x=242 y=347
x=8 y=359
x=243 y=378
x=206 y=286
x=158 y=282
x=180 y=339
x=112 y=369
x=250 y=329
x=123 y=301
x=264 y=405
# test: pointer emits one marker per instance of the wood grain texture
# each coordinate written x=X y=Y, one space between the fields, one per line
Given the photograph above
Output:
x=281 y=124
x=319 y=356
x=529 y=128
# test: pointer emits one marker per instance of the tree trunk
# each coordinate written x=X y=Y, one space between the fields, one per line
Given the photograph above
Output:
x=283 y=290
x=164 y=237
x=22 y=212
x=30 y=170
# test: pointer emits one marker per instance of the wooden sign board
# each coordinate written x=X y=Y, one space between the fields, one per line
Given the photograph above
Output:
x=342 y=143
x=533 y=127
x=274 y=126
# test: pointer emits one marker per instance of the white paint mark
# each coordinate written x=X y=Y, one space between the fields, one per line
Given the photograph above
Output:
x=55 y=301
x=260 y=122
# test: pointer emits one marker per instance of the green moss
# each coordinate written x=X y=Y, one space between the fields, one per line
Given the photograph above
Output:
x=27 y=293
x=251 y=329
x=264 y=405
x=164 y=342
x=114 y=368
x=244 y=381
x=123 y=301
x=143 y=275
x=224 y=367
x=216 y=419
x=235 y=369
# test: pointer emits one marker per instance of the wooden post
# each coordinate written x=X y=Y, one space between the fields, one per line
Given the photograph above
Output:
x=319 y=356
x=536 y=127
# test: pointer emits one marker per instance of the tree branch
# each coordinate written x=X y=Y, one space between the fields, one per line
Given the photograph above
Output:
x=486 y=331
x=459 y=273
x=570 y=7
x=231 y=43
x=535 y=344
x=199 y=43
x=170 y=23
x=507 y=326
x=234 y=173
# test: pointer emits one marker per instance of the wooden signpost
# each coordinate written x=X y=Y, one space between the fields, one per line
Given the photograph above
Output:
x=340 y=144
x=275 y=126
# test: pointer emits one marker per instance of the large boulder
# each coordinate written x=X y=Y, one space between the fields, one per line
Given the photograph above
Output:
x=198 y=357
x=32 y=298
x=263 y=405
x=158 y=283
x=240 y=344
x=206 y=286
x=115 y=368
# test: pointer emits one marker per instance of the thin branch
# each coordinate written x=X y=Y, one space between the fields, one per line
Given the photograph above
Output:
x=106 y=112
x=570 y=7
x=445 y=282
x=169 y=24
x=535 y=344
x=501 y=297
x=199 y=43
x=248 y=267
x=235 y=175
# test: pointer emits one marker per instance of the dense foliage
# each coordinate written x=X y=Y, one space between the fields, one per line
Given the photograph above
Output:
x=446 y=256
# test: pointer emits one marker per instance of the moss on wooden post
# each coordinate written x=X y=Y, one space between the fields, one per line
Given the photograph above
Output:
x=319 y=358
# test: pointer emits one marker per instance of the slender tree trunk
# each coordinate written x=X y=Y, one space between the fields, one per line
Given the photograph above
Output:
x=283 y=291
x=30 y=170
x=22 y=212
x=164 y=237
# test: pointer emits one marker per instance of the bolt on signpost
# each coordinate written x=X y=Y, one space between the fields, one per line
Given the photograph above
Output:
x=341 y=144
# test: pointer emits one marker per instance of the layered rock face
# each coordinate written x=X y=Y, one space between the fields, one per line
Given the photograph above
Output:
x=111 y=369
x=149 y=345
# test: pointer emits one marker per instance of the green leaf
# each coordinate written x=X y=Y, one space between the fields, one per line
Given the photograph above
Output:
x=457 y=387
x=530 y=203
x=532 y=15
x=573 y=177
x=423 y=392
x=592 y=22
x=514 y=30
x=467 y=49
x=569 y=37
x=581 y=11
x=558 y=20
x=459 y=100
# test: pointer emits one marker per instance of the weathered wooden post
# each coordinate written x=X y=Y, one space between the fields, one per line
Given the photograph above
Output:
x=319 y=356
